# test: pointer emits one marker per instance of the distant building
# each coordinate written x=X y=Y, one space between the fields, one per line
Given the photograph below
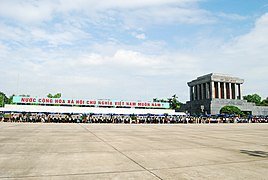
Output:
x=211 y=92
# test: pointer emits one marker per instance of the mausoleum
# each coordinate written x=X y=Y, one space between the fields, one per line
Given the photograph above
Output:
x=211 y=92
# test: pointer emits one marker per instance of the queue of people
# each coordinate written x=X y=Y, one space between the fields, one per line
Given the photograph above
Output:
x=89 y=118
x=126 y=119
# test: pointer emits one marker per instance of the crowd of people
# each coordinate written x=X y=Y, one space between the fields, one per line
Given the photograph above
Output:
x=126 y=119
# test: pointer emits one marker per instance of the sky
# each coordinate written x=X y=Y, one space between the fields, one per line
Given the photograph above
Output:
x=130 y=50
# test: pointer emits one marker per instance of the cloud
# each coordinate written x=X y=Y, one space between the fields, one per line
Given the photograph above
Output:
x=86 y=48
x=140 y=36
x=101 y=74
x=243 y=56
x=232 y=16
x=27 y=11
x=102 y=5
x=63 y=23
x=106 y=65
x=42 y=35
x=52 y=39
x=39 y=11
x=8 y=33
x=66 y=35
x=165 y=15
x=256 y=40
x=250 y=49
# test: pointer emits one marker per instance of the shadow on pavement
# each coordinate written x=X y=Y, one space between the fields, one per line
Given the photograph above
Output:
x=262 y=154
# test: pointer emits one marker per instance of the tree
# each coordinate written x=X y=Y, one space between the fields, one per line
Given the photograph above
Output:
x=58 y=95
x=159 y=100
x=10 y=99
x=3 y=99
x=231 y=110
x=254 y=98
x=174 y=103
x=24 y=95
x=264 y=102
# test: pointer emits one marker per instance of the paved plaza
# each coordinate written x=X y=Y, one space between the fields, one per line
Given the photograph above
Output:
x=133 y=151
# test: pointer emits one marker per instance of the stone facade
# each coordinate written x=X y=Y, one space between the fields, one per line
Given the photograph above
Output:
x=211 y=92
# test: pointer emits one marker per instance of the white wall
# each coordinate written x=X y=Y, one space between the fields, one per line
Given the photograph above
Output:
x=96 y=110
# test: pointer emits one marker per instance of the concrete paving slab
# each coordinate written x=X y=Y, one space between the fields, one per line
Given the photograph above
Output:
x=188 y=157
x=127 y=175
x=55 y=147
x=133 y=151
x=231 y=171
x=64 y=163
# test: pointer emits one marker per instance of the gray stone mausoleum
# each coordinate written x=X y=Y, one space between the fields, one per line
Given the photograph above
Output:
x=211 y=92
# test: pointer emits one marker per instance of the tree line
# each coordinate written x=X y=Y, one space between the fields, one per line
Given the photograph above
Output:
x=255 y=98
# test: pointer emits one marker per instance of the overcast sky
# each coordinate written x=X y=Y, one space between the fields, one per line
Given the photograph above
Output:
x=132 y=50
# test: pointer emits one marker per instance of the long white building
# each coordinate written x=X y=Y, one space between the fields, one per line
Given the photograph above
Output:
x=86 y=110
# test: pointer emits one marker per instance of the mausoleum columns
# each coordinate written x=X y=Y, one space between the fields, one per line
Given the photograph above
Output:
x=215 y=90
x=233 y=91
x=239 y=91
x=191 y=93
x=212 y=90
x=203 y=91
x=227 y=90
x=219 y=89
x=208 y=91
x=198 y=91
x=195 y=92
x=236 y=91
